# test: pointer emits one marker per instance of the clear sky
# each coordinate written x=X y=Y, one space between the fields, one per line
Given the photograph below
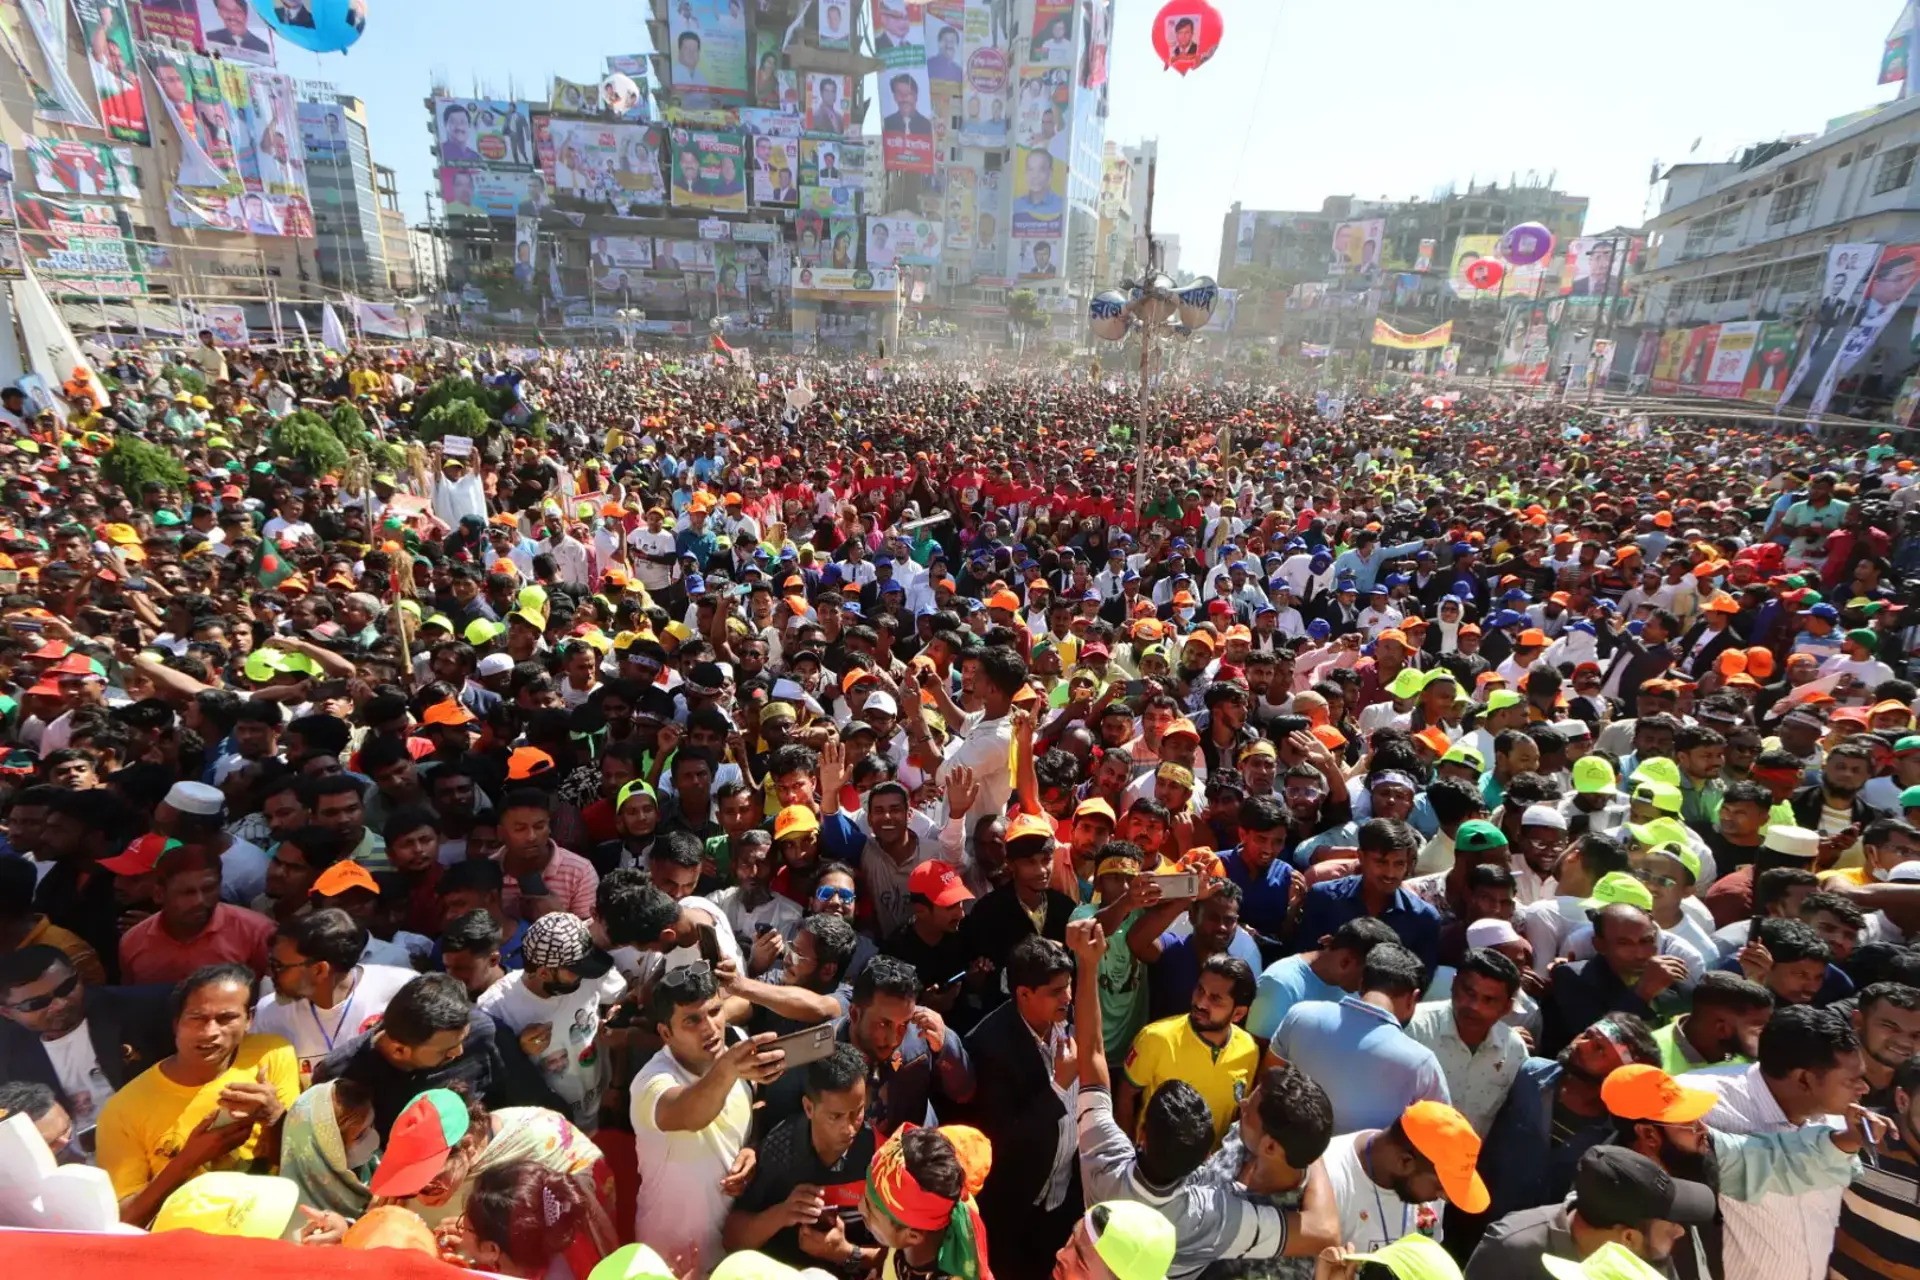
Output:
x=1392 y=98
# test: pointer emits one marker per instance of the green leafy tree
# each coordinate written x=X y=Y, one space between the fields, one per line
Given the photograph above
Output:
x=308 y=439
x=132 y=463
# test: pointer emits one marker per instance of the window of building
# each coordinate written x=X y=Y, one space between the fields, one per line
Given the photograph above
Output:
x=1896 y=169
x=1790 y=203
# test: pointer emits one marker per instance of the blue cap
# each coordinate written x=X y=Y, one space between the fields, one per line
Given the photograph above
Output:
x=971 y=604
x=1423 y=555
x=1824 y=610
x=1272 y=557
x=1322 y=557
x=1115 y=549
x=1130 y=575
x=1606 y=606
x=830 y=573
x=1514 y=593
x=1265 y=608
x=1450 y=598
x=1635 y=627
x=760 y=553
x=1377 y=589
x=1396 y=579
x=696 y=583
x=1462 y=549
x=1090 y=594
x=1584 y=627
x=851 y=606
x=1241 y=565
x=1122 y=536
x=1296 y=544
x=1506 y=618
x=1346 y=584
x=1319 y=628
x=1228 y=549
x=1179 y=544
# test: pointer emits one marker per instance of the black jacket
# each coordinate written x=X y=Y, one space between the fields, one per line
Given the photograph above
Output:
x=490 y=1067
x=1016 y=1107
x=1577 y=996
x=998 y=922
x=131 y=1029
x=1808 y=801
x=1702 y=662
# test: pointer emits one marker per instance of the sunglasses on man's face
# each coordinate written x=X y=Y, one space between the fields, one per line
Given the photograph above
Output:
x=34 y=1004
x=830 y=893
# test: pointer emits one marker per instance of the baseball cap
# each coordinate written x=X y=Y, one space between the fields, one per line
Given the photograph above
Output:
x=253 y=1205
x=794 y=820
x=1475 y=836
x=1095 y=808
x=139 y=857
x=1412 y=1257
x=1135 y=1240
x=1666 y=799
x=1443 y=1136
x=342 y=876
x=939 y=884
x=748 y=1264
x=1658 y=769
x=390 y=1226
x=418 y=1144
x=1613 y=1186
x=559 y=940
x=1593 y=776
x=527 y=762
x=1659 y=831
x=1910 y=798
x=1461 y=753
x=449 y=712
x=1617 y=888
x=632 y=1262
x=1501 y=699
x=1543 y=815
x=1611 y=1261
x=1642 y=1092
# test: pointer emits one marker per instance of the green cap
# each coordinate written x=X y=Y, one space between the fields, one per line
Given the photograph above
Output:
x=1475 y=836
x=631 y=1262
x=1910 y=798
x=1680 y=853
x=263 y=664
x=1439 y=675
x=1135 y=1241
x=1461 y=753
x=1593 y=776
x=1658 y=794
x=532 y=598
x=263 y=468
x=1501 y=699
x=1412 y=1257
x=636 y=787
x=1659 y=831
x=482 y=631
x=1611 y=1261
x=1658 y=769
x=1864 y=636
x=1407 y=684
x=1618 y=887
x=166 y=520
x=439 y=620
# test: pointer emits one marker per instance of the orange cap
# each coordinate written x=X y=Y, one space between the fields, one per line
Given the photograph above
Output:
x=1760 y=663
x=1531 y=638
x=1394 y=634
x=1184 y=727
x=1435 y=740
x=1443 y=1136
x=1733 y=662
x=1723 y=604
x=1641 y=1092
x=1095 y=808
x=1029 y=825
x=448 y=712
x=1330 y=737
x=527 y=762
x=342 y=876
x=1004 y=600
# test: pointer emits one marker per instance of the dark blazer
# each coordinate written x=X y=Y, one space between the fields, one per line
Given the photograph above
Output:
x=130 y=1027
x=1580 y=994
x=1704 y=660
x=998 y=922
x=1015 y=1106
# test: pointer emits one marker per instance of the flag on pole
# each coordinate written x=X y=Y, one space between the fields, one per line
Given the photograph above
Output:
x=306 y=338
x=1896 y=55
x=333 y=334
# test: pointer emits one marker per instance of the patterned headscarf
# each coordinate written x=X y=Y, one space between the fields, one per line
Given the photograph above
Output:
x=894 y=1190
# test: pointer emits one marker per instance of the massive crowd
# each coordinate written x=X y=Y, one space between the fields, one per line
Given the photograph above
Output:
x=844 y=818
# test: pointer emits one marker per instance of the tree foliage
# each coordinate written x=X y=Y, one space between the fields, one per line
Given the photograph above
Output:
x=133 y=463
x=308 y=439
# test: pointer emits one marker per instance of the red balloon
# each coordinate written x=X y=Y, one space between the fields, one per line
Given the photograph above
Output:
x=1186 y=33
x=1484 y=273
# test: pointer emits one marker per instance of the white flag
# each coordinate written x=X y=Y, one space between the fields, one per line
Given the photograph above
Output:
x=333 y=335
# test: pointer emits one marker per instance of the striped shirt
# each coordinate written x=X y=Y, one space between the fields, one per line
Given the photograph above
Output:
x=1776 y=1236
x=1879 y=1235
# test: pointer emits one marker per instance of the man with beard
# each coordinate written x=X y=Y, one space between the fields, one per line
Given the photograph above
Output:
x=193 y=927
x=1660 y=1118
x=1879 y=1231
x=1203 y=1047
x=1721 y=1027
x=1619 y=1197
x=1887 y=1020
x=1389 y=1183
x=1832 y=806
x=1553 y=1114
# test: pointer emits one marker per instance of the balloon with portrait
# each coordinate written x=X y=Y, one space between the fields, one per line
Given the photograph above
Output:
x=1526 y=244
x=324 y=26
x=1186 y=33
x=619 y=94
x=1484 y=273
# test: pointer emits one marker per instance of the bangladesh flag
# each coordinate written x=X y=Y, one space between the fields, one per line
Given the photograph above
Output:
x=271 y=568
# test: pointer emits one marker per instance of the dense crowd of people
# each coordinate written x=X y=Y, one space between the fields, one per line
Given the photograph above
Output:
x=895 y=821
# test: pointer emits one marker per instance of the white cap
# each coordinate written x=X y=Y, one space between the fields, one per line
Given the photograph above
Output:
x=494 y=664
x=1491 y=933
x=1543 y=815
x=1795 y=842
x=196 y=798
x=883 y=700
x=1907 y=872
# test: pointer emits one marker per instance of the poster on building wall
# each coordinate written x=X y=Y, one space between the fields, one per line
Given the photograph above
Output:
x=709 y=170
x=57 y=98
x=827 y=100
x=1356 y=245
x=897 y=240
x=1594 y=265
x=177 y=22
x=480 y=134
x=946 y=41
x=708 y=52
x=833 y=23
x=218 y=132
x=906 y=131
x=173 y=76
x=1772 y=358
x=1733 y=353
x=227 y=322
x=79 y=246
x=66 y=167
x=1423 y=260
x=1894 y=277
x=1040 y=198
x=962 y=211
x=1094 y=55
x=1039 y=259
x=233 y=30
x=607 y=164
x=107 y=34
x=1051 y=43
x=776 y=168
x=277 y=136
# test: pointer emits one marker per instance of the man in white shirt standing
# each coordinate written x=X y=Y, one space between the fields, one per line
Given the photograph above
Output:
x=553 y=1005
x=322 y=995
x=654 y=561
x=1810 y=1069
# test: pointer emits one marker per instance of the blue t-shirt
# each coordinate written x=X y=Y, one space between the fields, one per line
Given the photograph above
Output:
x=1284 y=984
x=1264 y=898
x=1170 y=983
x=1371 y=1069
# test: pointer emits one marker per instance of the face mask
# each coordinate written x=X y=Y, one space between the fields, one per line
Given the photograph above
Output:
x=364 y=1148
x=1880 y=873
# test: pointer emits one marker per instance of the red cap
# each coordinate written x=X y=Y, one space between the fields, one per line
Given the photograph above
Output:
x=939 y=884
x=139 y=857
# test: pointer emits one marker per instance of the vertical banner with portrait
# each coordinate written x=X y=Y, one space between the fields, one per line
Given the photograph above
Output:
x=766 y=68
x=1038 y=259
x=709 y=170
x=233 y=30
x=1039 y=195
x=1593 y=267
x=1893 y=278
x=172 y=74
x=1468 y=250
x=63 y=102
x=1051 y=43
x=906 y=131
x=833 y=21
x=946 y=45
x=827 y=102
x=1848 y=266
x=983 y=120
x=1099 y=42
x=776 y=169
x=1356 y=245
x=1243 y=238
x=1423 y=259
x=107 y=34
x=217 y=125
x=526 y=250
x=843 y=243
x=961 y=208
x=899 y=32
x=809 y=228
x=708 y=53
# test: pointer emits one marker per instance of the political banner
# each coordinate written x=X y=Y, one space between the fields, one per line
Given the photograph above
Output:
x=1356 y=245
x=526 y=251
x=481 y=134
x=174 y=21
x=1449 y=360
x=827 y=99
x=634 y=67
x=236 y=97
x=65 y=102
x=945 y=38
x=1593 y=267
x=758 y=122
x=13 y=263
x=173 y=75
x=1733 y=354
x=1249 y=223
x=1665 y=375
x=825 y=162
x=1099 y=42
x=1385 y=335
x=1044 y=105
x=1051 y=43
x=227 y=322
x=63 y=167
x=323 y=131
x=835 y=280
x=1696 y=355
x=1893 y=58
x=809 y=230
x=1772 y=358
x=573 y=98
x=480 y=193
x=906 y=132
x=896 y=240
x=834 y=201
x=962 y=209
x=107 y=35
x=1039 y=259
x=387 y=320
x=277 y=136
x=683 y=255
x=1423 y=260
x=1894 y=276
x=217 y=134
x=79 y=247
x=730 y=273
x=834 y=23
x=6 y=185
x=607 y=164
x=708 y=51
x=899 y=33
x=233 y=30
x=709 y=170
x=776 y=168
x=983 y=122
x=1040 y=201
x=1848 y=266
x=843 y=243
x=1468 y=250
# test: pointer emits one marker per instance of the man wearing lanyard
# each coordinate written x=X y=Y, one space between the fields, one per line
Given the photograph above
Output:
x=322 y=995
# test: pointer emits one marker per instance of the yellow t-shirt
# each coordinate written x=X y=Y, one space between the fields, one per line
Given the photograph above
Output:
x=143 y=1126
x=1171 y=1050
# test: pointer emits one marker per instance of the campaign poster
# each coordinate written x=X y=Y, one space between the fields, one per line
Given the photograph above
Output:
x=809 y=229
x=683 y=255
x=834 y=23
x=906 y=132
x=983 y=121
x=1052 y=40
x=834 y=201
x=945 y=38
x=79 y=246
x=233 y=30
x=731 y=272
x=1040 y=198
x=1894 y=276
x=107 y=34
x=709 y=170
x=573 y=98
x=634 y=67
x=607 y=254
x=790 y=93
x=897 y=240
x=227 y=321
x=899 y=33
x=1423 y=260
x=69 y=167
x=236 y=96
x=961 y=208
x=1039 y=259
x=827 y=100
x=481 y=193
x=843 y=242
x=776 y=168
x=62 y=101
x=708 y=40
x=1093 y=58
x=1697 y=355
x=1593 y=267
x=823 y=162
x=1243 y=238
x=1044 y=100
x=175 y=21
x=479 y=134
x=607 y=164
x=1356 y=245
x=277 y=135
x=1732 y=359
x=1772 y=358
x=173 y=78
